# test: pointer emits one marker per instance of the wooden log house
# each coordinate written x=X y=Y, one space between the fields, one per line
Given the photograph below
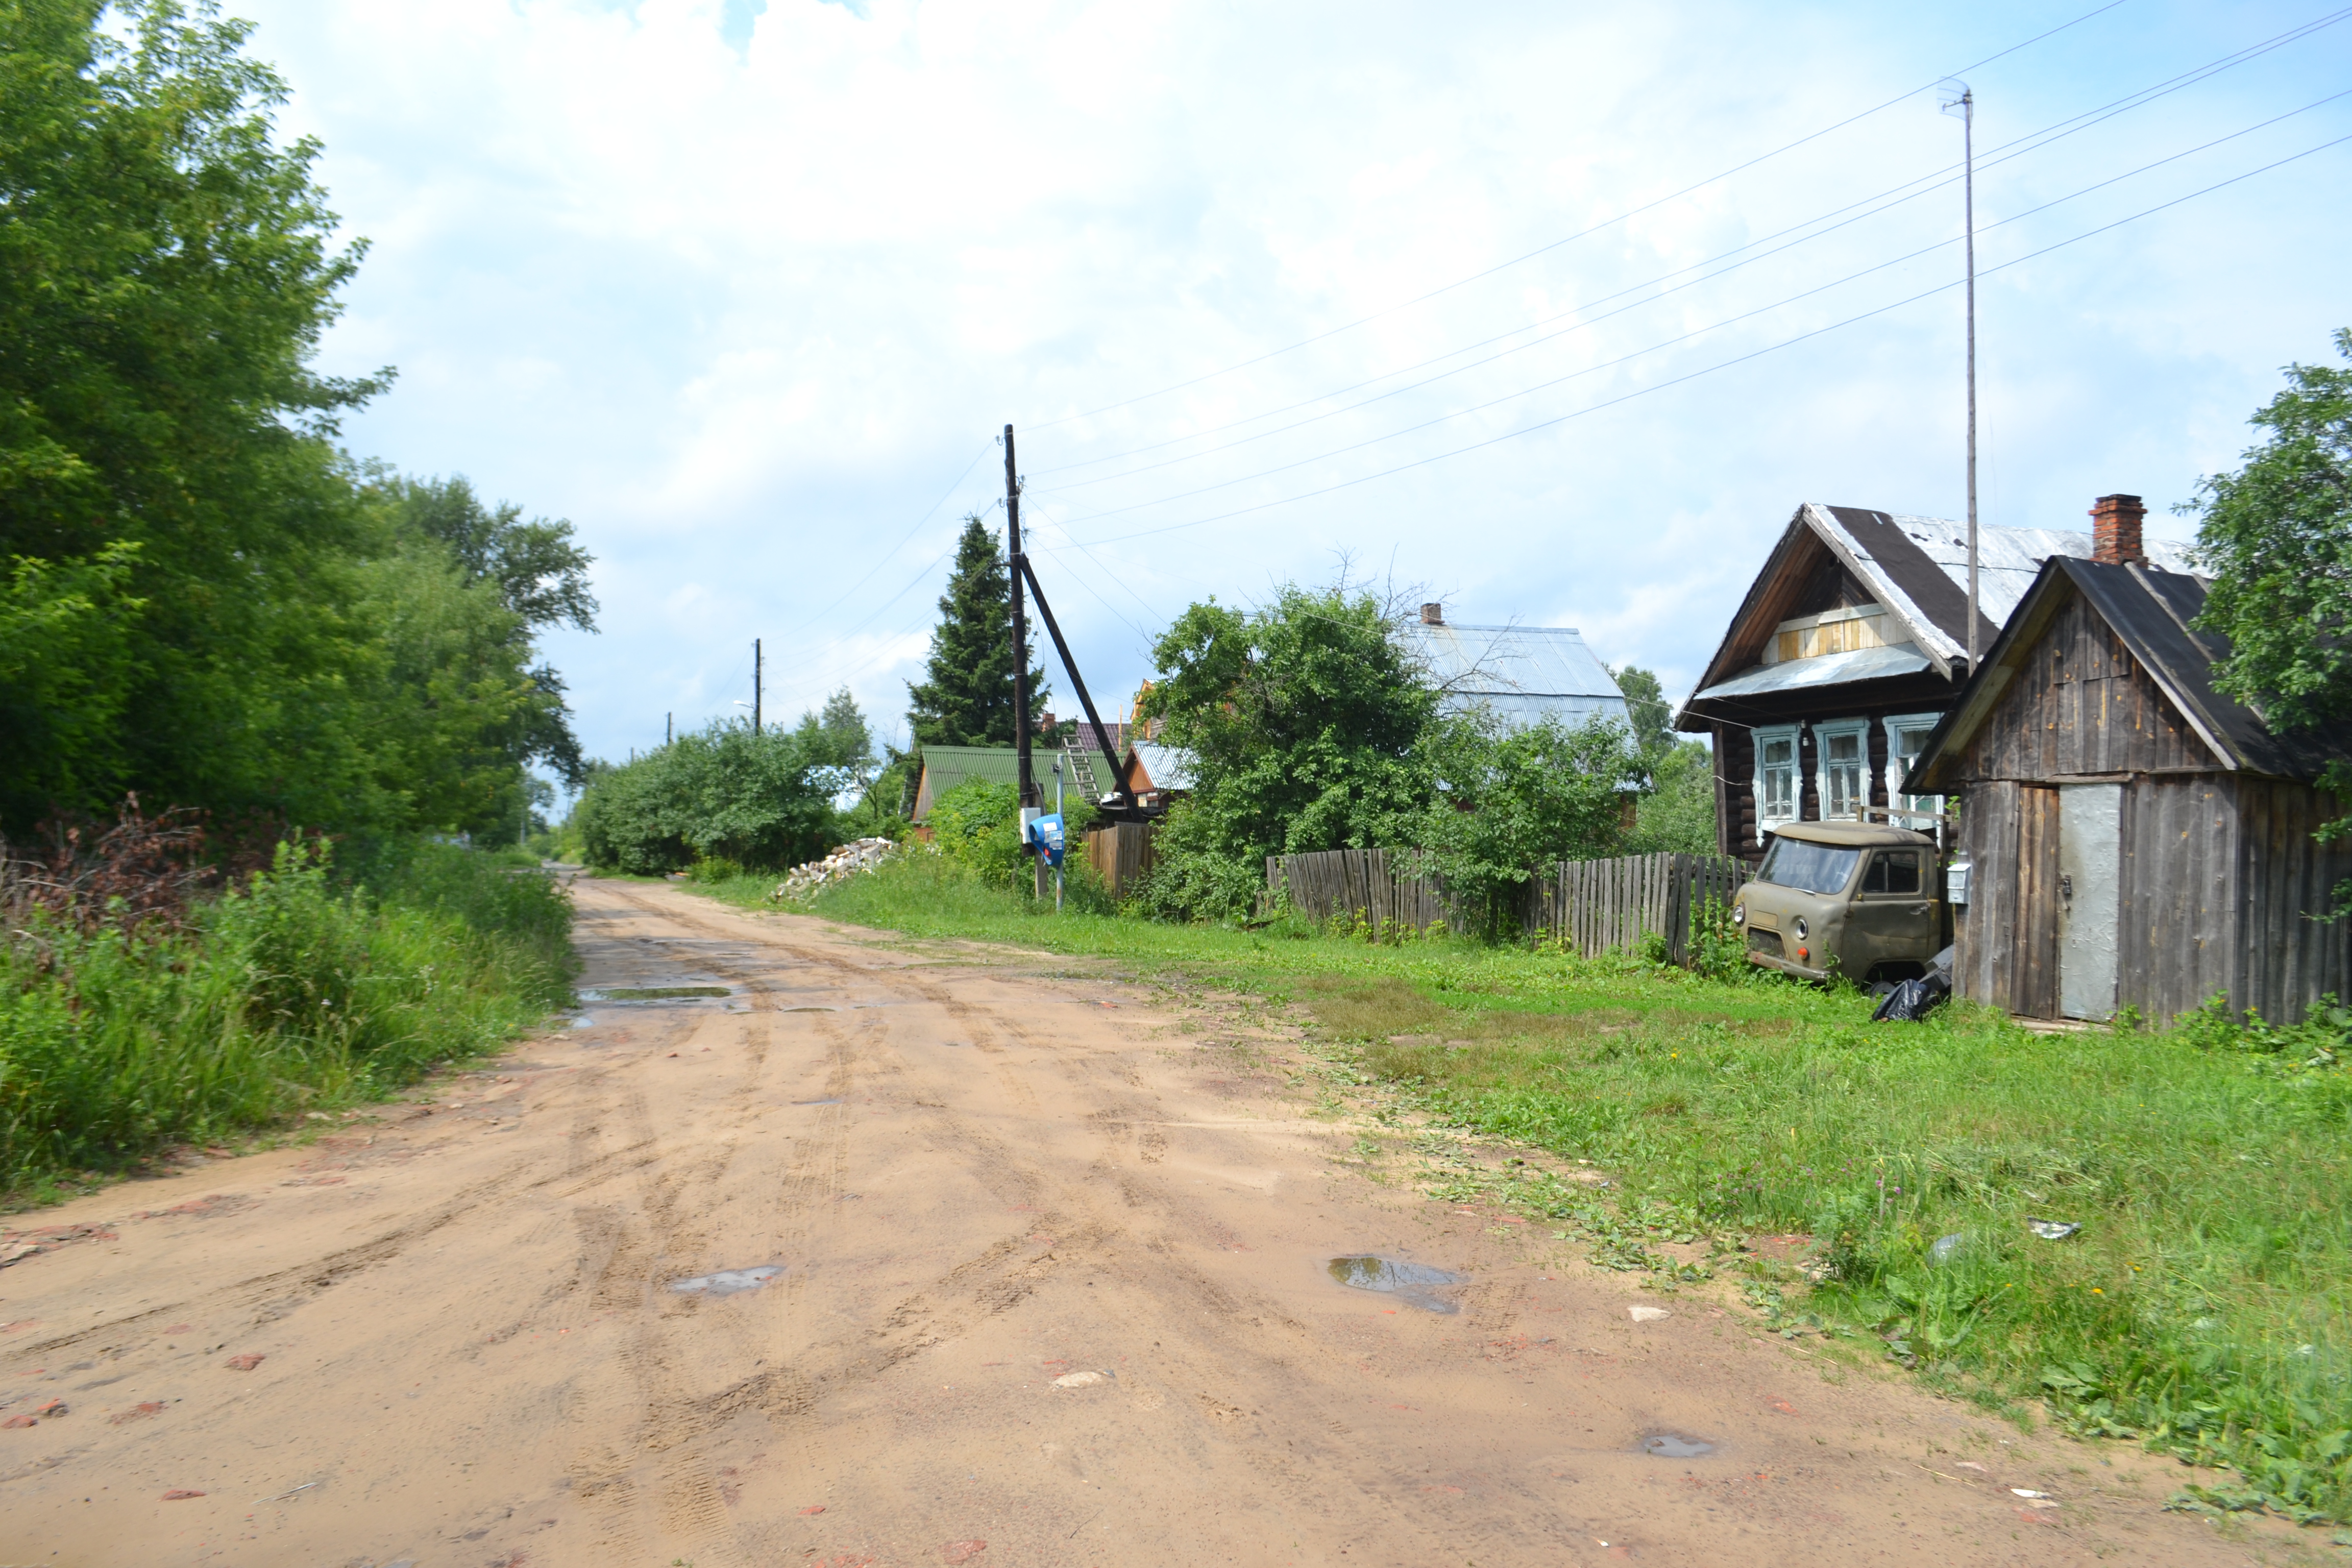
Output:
x=2132 y=836
x=1848 y=650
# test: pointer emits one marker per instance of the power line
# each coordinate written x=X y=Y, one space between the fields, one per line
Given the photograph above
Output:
x=1696 y=331
x=1726 y=364
x=1888 y=199
x=1583 y=233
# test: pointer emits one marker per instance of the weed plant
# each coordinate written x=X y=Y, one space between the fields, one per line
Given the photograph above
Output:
x=2201 y=1308
x=293 y=990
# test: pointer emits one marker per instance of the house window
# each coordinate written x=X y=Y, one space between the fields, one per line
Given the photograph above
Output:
x=1907 y=737
x=1775 y=778
x=1843 y=751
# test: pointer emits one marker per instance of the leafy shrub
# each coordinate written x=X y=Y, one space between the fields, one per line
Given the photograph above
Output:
x=977 y=825
x=760 y=800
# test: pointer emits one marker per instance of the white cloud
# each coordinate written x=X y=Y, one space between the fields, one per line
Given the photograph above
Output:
x=742 y=301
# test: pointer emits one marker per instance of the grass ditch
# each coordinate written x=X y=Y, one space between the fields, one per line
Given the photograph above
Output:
x=2201 y=1310
x=303 y=987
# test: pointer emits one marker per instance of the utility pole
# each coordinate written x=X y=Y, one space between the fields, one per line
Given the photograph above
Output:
x=1965 y=102
x=756 y=673
x=669 y=728
x=1027 y=774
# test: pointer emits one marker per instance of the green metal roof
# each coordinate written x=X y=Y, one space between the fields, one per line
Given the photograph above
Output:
x=944 y=767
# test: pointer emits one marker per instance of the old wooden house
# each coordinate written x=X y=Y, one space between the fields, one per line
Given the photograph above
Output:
x=2131 y=836
x=1849 y=646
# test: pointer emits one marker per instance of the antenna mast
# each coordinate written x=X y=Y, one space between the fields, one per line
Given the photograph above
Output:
x=1965 y=101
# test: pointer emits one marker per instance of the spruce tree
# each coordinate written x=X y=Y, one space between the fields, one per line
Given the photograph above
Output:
x=968 y=698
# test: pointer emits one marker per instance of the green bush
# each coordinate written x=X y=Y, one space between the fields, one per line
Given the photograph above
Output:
x=977 y=826
x=290 y=990
x=760 y=800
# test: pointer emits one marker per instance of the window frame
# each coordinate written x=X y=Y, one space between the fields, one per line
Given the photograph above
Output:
x=1895 y=725
x=1758 y=738
x=1825 y=732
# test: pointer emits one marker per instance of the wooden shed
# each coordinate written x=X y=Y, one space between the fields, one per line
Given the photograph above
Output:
x=2131 y=836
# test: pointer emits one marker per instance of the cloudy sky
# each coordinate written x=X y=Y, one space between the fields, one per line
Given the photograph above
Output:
x=1554 y=311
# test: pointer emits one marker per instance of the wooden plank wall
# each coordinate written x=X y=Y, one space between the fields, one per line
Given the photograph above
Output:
x=2034 y=943
x=2081 y=705
x=1119 y=852
x=2289 y=958
x=1593 y=906
x=1981 y=952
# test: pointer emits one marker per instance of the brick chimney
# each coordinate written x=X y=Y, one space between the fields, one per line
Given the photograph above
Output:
x=1434 y=615
x=2114 y=530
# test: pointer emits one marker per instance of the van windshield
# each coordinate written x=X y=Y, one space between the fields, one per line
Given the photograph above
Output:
x=1814 y=867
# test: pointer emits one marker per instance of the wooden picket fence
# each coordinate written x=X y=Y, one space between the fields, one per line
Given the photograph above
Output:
x=1602 y=906
x=1592 y=906
x=1387 y=890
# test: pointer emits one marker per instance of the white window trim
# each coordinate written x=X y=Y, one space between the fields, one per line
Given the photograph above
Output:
x=1824 y=733
x=1757 y=737
x=1894 y=724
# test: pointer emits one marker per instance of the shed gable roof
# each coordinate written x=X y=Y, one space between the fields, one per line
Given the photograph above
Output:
x=2151 y=609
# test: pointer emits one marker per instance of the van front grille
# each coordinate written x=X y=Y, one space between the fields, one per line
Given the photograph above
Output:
x=1766 y=942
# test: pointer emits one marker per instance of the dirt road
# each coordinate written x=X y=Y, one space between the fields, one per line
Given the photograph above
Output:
x=1052 y=1273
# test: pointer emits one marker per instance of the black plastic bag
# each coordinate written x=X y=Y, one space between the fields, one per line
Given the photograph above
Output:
x=1913 y=1000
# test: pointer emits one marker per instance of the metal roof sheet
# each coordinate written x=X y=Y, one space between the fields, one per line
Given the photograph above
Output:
x=1165 y=766
x=2007 y=559
x=1827 y=669
x=1522 y=674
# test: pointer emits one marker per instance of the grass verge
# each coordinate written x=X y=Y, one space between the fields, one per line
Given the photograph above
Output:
x=2201 y=1309
x=296 y=991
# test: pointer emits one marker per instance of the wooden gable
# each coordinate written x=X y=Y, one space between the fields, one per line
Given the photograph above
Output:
x=2078 y=705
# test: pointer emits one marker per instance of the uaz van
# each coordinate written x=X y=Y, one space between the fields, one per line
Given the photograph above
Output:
x=1851 y=898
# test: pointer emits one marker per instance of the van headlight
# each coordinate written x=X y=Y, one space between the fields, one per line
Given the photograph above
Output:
x=1739 y=914
x=1802 y=930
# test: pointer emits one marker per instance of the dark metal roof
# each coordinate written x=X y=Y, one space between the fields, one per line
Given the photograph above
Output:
x=2151 y=610
x=1917 y=568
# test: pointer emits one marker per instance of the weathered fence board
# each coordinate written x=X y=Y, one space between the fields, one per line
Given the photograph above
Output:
x=1592 y=906
x=1119 y=852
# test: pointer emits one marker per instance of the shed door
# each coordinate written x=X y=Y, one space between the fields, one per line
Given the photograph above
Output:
x=2090 y=866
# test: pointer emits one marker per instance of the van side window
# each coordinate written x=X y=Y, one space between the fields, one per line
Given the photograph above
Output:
x=1892 y=872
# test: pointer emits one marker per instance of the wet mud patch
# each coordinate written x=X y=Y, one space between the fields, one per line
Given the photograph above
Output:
x=1675 y=1446
x=655 y=993
x=1416 y=1284
x=727 y=1281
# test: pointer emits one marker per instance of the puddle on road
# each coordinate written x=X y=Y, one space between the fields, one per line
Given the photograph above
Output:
x=727 y=1281
x=654 y=993
x=1675 y=1446
x=1416 y=1283
x=816 y=1102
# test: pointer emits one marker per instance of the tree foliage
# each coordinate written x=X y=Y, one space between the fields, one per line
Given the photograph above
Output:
x=202 y=599
x=2277 y=536
x=721 y=793
x=966 y=696
x=1507 y=802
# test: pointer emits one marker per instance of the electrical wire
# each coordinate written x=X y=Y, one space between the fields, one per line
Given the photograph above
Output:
x=1583 y=233
x=1726 y=364
x=1888 y=199
x=1696 y=331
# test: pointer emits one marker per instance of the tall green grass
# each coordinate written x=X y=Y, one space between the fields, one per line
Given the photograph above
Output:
x=2204 y=1308
x=295 y=990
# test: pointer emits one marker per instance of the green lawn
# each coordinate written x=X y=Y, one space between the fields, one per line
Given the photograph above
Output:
x=2201 y=1309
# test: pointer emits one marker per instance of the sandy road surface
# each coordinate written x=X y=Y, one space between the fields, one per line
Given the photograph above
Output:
x=979 y=1176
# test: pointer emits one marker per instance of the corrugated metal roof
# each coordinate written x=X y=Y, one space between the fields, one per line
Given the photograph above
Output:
x=944 y=767
x=2008 y=559
x=1165 y=766
x=1522 y=674
x=1827 y=669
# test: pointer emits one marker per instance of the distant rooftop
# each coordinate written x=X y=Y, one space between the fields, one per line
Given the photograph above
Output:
x=1522 y=674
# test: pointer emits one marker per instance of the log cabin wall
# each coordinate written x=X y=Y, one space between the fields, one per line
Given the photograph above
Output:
x=1735 y=750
